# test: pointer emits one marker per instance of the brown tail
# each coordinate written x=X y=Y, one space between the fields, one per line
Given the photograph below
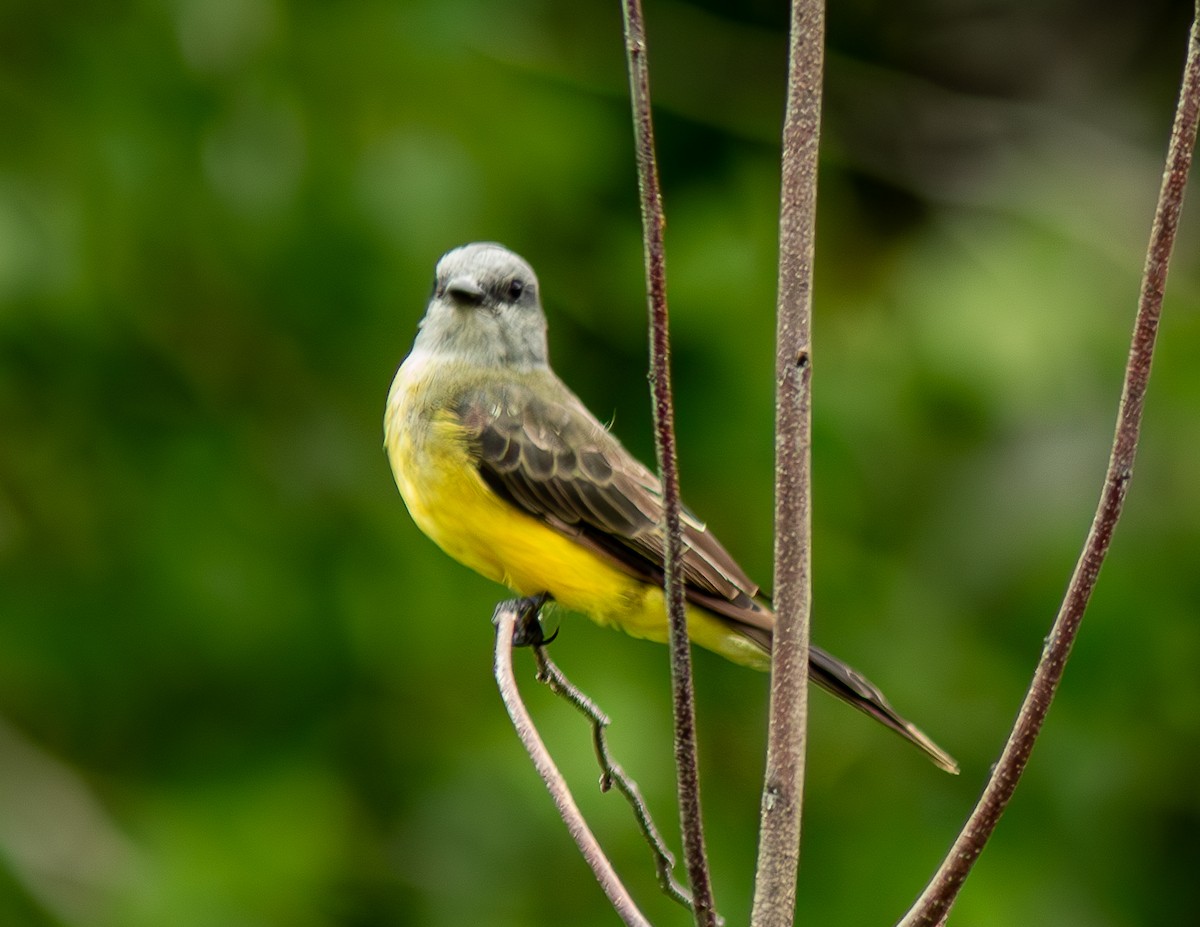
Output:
x=851 y=686
x=757 y=622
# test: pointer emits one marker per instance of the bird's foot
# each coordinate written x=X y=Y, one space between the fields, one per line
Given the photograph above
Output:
x=528 y=631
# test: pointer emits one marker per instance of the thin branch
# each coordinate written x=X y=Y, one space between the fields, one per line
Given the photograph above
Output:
x=783 y=787
x=683 y=700
x=509 y=617
x=934 y=904
x=612 y=774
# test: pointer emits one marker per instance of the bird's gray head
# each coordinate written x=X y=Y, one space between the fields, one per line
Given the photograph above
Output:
x=485 y=309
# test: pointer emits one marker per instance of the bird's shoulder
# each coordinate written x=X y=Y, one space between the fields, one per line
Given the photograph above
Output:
x=537 y=443
x=538 y=410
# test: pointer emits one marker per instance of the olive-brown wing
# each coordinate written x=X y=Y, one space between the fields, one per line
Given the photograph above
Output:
x=539 y=447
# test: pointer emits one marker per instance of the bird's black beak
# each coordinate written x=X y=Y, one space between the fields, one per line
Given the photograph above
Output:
x=465 y=291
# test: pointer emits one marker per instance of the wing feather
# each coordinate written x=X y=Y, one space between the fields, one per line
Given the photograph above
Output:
x=538 y=446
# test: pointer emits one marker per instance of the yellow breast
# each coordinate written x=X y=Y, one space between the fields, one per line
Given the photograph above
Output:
x=438 y=477
x=439 y=480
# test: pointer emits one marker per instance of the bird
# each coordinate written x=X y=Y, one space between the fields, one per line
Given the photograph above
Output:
x=506 y=470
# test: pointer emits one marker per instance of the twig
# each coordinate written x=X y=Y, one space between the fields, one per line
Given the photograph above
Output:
x=612 y=774
x=683 y=699
x=934 y=904
x=508 y=616
x=783 y=787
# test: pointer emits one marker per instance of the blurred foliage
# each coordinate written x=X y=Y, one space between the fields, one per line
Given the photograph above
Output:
x=237 y=686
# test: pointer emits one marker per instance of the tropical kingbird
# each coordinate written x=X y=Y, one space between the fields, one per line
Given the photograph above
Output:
x=510 y=474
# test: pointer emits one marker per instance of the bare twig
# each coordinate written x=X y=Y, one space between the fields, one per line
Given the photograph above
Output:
x=934 y=904
x=612 y=774
x=508 y=616
x=779 y=835
x=683 y=700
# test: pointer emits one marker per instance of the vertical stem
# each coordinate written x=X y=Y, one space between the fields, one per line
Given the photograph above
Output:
x=934 y=904
x=683 y=700
x=779 y=837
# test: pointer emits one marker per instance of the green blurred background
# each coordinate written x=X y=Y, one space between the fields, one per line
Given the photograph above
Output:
x=237 y=686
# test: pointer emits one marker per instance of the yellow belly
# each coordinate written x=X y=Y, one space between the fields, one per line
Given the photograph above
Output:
x=451 y=503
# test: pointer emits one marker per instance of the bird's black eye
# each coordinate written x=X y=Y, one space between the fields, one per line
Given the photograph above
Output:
x=515 y=289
